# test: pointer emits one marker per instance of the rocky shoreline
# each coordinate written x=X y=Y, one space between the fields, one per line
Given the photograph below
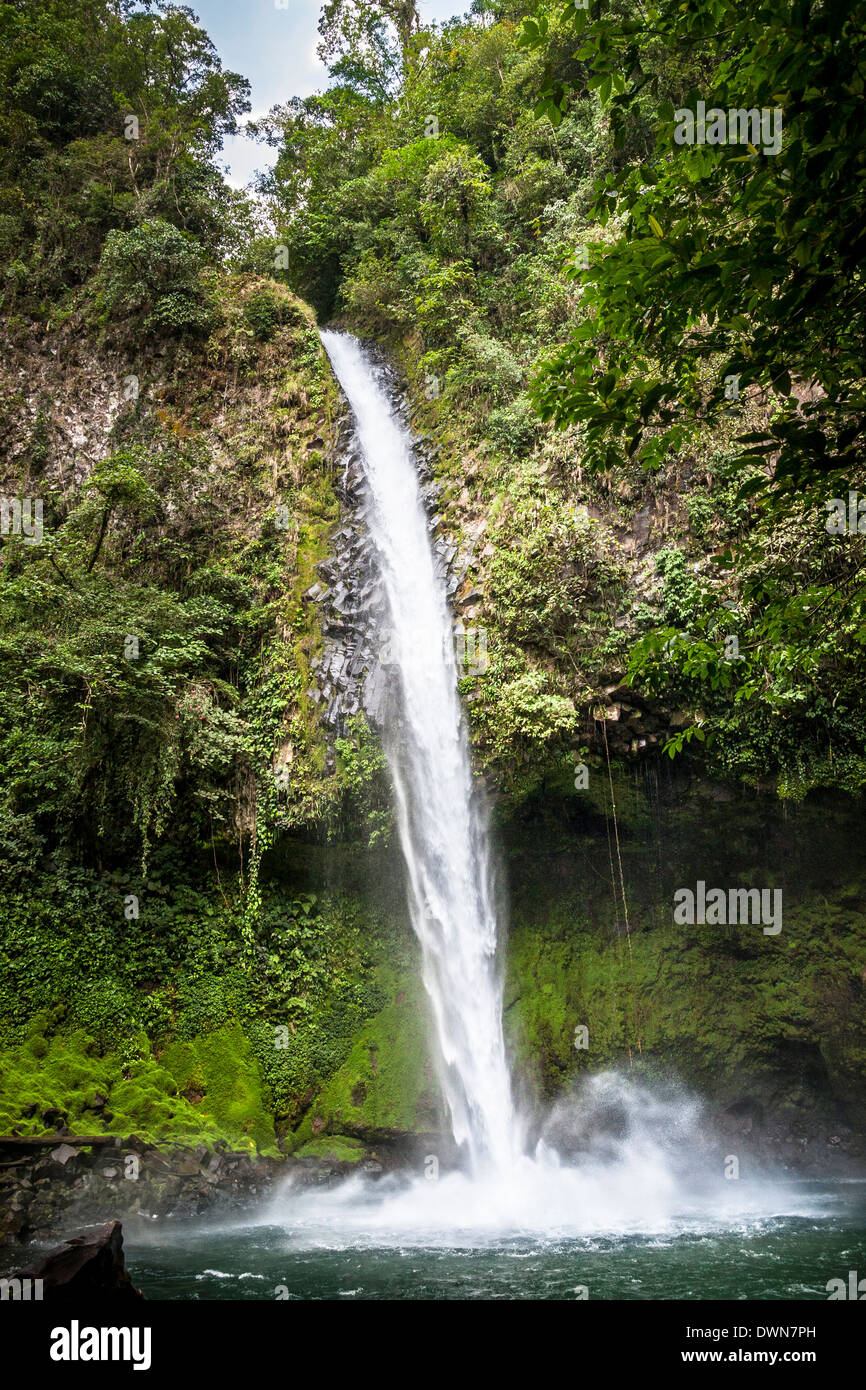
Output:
x=53 y=1186
x=45 y=1189
x=87 y=1266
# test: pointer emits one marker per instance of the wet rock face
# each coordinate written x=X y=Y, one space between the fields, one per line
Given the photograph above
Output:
x=352 y=676
x=46 y=1189
x=47 y=1193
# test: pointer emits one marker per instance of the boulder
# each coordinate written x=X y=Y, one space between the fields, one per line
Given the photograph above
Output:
x=62 y=1154
x=87 y=1266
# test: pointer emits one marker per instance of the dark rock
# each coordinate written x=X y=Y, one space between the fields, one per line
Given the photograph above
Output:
x=63 y=1153
x=87 y=1266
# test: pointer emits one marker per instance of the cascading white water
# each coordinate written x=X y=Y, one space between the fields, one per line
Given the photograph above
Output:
x=441 y=825
x=611 y=1157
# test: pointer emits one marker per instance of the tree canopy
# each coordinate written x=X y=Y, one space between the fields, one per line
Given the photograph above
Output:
x=110 y=113
x=732 y=262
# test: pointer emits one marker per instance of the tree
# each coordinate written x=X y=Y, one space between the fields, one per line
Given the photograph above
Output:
x=153 y=273
x=733 y=263
x=354 y=33
x=110 y=112
x=172 y=80
x=733 y=283
x=117 y=482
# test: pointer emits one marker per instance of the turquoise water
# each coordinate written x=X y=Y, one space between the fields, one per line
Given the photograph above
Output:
x=766 y=1258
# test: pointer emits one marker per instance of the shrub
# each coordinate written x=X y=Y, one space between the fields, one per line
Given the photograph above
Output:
x=155 y=274
x=515 y=427
x=263 y=314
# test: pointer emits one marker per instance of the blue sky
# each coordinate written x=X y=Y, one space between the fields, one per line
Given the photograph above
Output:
x=276 y=49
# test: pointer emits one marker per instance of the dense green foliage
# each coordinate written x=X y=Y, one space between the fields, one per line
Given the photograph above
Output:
x=178 y=973
x=154 y=650
x=136 y=641
x=110 y=115
x=513 y=210
x=729 y=260
x=732 y=286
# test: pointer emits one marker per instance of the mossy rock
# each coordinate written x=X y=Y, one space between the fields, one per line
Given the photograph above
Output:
x=387 y=1086
x=334 y=1148
x=233 y=1098
x=144 y=1096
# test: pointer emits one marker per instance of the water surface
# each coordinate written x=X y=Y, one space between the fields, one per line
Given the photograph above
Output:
x=767 y=1257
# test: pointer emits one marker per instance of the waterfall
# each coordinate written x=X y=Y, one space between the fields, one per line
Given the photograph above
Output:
x=442 y=827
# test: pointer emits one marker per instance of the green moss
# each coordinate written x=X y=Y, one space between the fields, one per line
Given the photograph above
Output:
x=557 y=984
x=233 y=1098
x=387 y=1084
x=339 y=1148
x=721 y=1007
x=196 y=1093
